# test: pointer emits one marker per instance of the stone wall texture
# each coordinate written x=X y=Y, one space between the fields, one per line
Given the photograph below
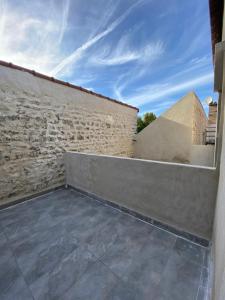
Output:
x=40 y=120
x=212 y=114
x=199 y=123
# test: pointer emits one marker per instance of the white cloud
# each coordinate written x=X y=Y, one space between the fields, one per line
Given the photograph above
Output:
x=100 y=24
x=117 y=60
x=40 y=35
x=32 y=39
x=78 y=53
x=64 y=24
x=147 y=56
x=124 y=53
x=150 y=93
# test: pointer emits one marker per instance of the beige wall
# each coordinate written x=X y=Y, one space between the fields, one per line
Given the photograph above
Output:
x=40 y=119
x=175 y=194
x=219 y=234
x=189 y=112
x=202 y=155
x=164 y=140
x=171 y=136
x=219 y=220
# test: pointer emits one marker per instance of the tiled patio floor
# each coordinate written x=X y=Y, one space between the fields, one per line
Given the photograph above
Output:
x=64 y=245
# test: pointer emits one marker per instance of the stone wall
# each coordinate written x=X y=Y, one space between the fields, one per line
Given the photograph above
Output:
x=39 y=120
x=199 y=123
x=212 y=113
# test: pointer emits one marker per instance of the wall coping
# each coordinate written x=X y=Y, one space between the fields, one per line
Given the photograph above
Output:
x=146 y=160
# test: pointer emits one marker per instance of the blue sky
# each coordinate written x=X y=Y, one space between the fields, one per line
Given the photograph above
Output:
x=147 y=53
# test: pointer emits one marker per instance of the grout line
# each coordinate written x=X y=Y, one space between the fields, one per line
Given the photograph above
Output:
x=110 y=270
x=81 y=275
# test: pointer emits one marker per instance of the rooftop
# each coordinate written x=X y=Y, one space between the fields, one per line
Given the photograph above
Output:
x=65 y=245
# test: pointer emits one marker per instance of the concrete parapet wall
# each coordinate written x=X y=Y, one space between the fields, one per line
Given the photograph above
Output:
x=202 y=155
x=177 y=195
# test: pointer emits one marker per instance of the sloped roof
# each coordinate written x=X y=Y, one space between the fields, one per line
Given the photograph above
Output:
x=40 y=75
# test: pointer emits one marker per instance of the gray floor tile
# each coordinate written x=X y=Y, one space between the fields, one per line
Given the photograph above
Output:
x=5 y=248
x=36 y=242
x=140 y=266
x=45 y=260
x=132 y=229
x=138 y=256
x=12 y=284
x=95 y=230
x=36 y=205
x=95 y=284
x=202 y=294
x=162 y=238
x=35 y=218
x=148 y=266
x=190 y=251
x=120 y=257
x=128 y=291
x=68 y=246
x=101 y=240
x=30 y=224
x=204 y=277
x=54 y=283
x=207 y=257
x=180 y=280
x=18 y=290
x=116 y=233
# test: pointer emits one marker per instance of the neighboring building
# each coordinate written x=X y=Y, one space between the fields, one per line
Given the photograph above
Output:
x=41 y=118
x=177 y=135
x=212 y=118
x=211 y=126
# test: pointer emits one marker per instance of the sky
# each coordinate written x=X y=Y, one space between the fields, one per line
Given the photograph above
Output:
x=147 y=53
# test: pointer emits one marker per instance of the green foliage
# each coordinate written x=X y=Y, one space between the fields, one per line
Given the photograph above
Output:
x=148 y=118
x=140 y=124
x=145 y=120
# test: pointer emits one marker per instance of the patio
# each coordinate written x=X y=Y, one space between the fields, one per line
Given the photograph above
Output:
x=65 y=245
